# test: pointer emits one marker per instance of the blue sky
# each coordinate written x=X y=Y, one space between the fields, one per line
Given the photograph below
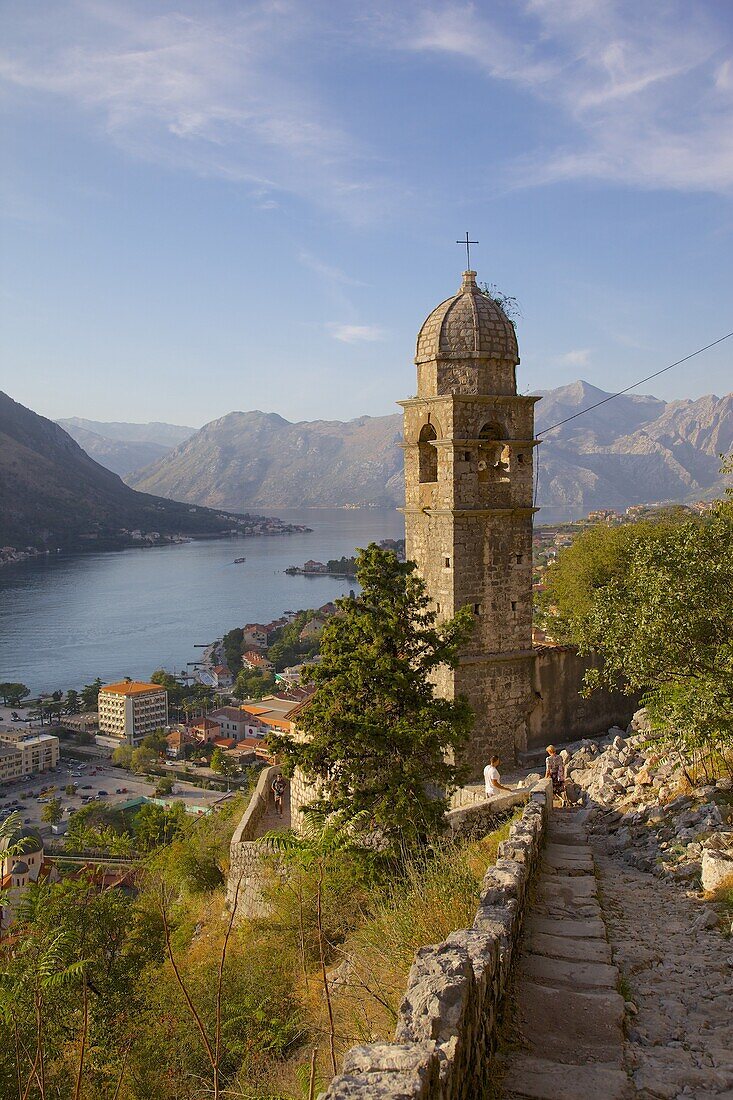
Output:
x=216 y=206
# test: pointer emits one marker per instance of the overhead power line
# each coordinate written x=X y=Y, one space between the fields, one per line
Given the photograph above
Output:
x=613 y=396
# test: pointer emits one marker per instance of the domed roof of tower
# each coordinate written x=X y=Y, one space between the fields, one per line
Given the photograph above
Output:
x=19 y=868
x=30 y=838
x=470 y=325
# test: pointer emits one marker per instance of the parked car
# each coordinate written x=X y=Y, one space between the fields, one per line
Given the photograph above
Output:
x=86 y=786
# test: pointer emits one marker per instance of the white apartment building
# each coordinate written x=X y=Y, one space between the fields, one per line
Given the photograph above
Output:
x=24 y=753
x=130 y=710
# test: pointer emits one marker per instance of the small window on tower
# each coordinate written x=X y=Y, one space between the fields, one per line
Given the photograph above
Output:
x=477 y=609
x=514 y=605
x=520 y=459
x=520 y=559
x=437 y=608
x=447 y=562
x=466 y=456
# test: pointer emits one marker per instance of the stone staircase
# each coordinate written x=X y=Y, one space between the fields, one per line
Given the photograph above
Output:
x=566 y=1011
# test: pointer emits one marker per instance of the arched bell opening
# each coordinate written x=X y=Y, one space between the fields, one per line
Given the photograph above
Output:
x=493 y=455
x=428 y=454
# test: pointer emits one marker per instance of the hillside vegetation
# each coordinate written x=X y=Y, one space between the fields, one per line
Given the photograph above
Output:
x=52 y=494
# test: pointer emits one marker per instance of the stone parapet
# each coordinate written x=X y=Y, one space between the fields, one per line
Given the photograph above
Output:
x=446 y=1029
x=246 y=867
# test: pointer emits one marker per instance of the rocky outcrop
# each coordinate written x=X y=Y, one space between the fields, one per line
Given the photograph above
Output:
x=641 y=807
x=446 y=1027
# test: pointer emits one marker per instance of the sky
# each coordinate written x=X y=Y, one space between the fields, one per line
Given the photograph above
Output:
x=216 y=206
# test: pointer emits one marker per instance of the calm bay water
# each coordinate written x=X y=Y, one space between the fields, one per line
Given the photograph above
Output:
x=66 y=620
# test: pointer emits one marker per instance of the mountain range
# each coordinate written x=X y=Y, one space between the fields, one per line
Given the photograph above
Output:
x=122 y=447
x=52 y=494
x=632 y=450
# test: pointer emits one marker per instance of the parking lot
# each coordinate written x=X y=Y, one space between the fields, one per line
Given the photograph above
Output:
x=91 y=780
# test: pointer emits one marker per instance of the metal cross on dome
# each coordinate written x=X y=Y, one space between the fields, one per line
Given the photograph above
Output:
x=467 y=243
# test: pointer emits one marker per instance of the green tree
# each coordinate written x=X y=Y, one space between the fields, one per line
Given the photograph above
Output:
x=70 y=790
x=52 y=812
x=232 y=644
x=89 y=694
x=73 y=704
x=164 y=786
x=594 y=559
x=251 y=684
x=157 y=825
x=155 y=741
x=143 y=759
x=378 y=741
x=122 y=756
x=663 y=624
x=14 y=693
x=221 y=763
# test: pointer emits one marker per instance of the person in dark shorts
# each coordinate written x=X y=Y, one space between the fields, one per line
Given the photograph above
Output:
x=555 y=770
x=278 y=790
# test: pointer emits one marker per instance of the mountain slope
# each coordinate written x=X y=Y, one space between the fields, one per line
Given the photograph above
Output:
x=165 y=435
x=635 y=449
x=257 y=457
x=120 y=456
x=53 y=494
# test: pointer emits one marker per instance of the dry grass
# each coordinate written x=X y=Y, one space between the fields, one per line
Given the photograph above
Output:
x=433 y=896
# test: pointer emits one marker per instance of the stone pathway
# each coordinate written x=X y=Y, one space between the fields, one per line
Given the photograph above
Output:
x=271 y=821
x=679 y=977
x=597 y=926
x=566 y=1012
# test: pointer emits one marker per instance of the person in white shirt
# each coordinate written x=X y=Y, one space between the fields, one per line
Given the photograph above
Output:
x=492 y=779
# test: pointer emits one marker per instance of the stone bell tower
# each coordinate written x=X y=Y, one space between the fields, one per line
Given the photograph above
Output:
x=468 y=442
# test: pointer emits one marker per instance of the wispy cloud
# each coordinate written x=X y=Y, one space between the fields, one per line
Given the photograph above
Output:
x=326 y=271
x=646 y=90
x=576 y=357
x=214 y=91
x=355 y=334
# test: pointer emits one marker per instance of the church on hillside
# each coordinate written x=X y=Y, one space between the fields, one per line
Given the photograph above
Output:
x=469 y=448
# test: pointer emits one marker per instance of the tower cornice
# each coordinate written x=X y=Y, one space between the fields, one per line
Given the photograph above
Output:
x=476 y=398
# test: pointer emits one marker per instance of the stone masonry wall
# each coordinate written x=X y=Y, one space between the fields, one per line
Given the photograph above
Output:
x=246 y=868
x=446 y=1029
x=559 y=712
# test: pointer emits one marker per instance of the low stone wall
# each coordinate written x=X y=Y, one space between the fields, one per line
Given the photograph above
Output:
x=246 y=871
x=446 y=1030
x=477 y=816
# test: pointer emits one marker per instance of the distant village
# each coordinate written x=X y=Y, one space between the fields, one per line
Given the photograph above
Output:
x=245 y=526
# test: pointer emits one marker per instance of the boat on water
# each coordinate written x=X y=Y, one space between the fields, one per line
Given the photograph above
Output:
x=238 y=561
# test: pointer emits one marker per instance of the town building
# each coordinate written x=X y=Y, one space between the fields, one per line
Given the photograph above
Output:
x=177 y=741
x=232 y=722
x=130 y=710
x=312 y=629
x=205 y=731
x=23 y=752
x=468 y=444
x=277 y=713
x=222 y=676
x=254 y=634
x=256 y=661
